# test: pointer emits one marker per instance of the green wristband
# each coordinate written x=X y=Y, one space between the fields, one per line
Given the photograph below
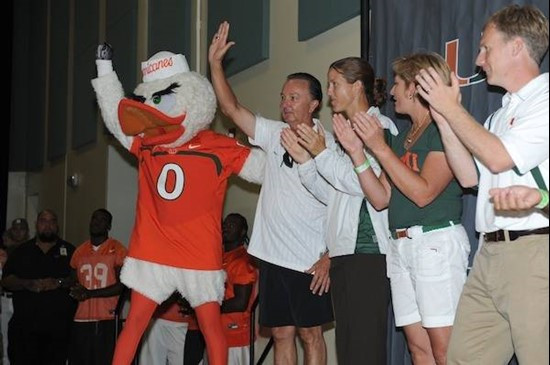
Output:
x=362 y=168
x=543 y=199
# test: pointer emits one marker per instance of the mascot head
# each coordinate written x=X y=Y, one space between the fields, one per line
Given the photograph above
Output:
x=171 y=105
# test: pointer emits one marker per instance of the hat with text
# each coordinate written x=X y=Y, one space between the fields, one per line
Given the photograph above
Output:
x=162 y=65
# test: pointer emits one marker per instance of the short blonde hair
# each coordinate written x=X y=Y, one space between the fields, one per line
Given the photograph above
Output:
x=408 y=67
x=526 y=22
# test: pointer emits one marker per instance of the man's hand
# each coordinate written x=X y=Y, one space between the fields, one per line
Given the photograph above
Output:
x=31 y=285
x=516 y=197
x=40 y=285
x=49 y=284
x=290 y=142
x=312 y=141
x=219 y=46
x=185 y=307
x=79 y=293
x=320 y=283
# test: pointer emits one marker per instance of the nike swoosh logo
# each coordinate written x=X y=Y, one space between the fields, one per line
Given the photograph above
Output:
x=193 y=146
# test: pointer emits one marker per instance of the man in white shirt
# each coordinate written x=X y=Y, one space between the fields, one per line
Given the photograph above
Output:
x=288 y=235
x=504 y=305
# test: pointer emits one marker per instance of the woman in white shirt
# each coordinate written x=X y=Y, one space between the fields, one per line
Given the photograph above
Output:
x=357 y=229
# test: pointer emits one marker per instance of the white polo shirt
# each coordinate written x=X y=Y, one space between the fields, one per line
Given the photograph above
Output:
x=522 y=126
x=289 y=225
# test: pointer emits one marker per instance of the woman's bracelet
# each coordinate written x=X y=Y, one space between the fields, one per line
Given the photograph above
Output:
x=543 y=199
x=362 y=168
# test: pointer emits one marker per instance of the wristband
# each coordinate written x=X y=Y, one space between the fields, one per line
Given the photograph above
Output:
x=362 y=168
x=543 y=199
x=103 y=67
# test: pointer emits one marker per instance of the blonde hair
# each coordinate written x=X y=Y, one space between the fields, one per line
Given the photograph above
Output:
x=408 y=67
x=526 y=22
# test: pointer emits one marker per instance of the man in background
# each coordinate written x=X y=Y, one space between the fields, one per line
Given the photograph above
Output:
x=13 y=237
x=16 y=234
x=239 y=289
x=38 y=273
x=163 y=343
x=97 y=264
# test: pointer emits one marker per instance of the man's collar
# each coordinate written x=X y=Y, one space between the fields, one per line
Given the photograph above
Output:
x=317 y=124
x=527 y=90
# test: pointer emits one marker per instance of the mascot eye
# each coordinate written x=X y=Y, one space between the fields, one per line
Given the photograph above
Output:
x=164 y=103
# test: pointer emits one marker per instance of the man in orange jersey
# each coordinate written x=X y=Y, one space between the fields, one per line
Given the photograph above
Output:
x=164 y=341
x=239 y=289
x=97 y=263
x=194 y=349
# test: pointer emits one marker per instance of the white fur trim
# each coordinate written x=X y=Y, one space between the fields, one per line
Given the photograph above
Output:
x=157 y=282
x=254 y=167
x=109 y=93
x=163 y=65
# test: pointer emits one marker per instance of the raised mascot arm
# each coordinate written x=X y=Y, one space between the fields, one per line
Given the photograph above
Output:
x=109 y=93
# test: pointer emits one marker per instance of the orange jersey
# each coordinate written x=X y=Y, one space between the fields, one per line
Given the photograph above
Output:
x=170 y=311
x=238 y=266
x=96 y=270
x=179 y=206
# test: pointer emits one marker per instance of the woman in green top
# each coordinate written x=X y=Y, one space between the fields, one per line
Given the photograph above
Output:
x=428 y=255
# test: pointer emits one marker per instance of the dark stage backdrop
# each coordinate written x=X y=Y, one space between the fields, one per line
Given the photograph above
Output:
x=451 y=28
x=5 y=137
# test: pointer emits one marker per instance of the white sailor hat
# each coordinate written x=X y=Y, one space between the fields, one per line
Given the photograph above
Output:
x=162 y=65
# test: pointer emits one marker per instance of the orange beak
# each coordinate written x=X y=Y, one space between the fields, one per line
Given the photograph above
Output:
x=136 y=118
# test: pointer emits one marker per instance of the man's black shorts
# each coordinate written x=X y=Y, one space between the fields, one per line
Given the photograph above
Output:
x=286 y=300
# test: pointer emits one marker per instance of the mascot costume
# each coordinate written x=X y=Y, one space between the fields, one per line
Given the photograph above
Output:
x=183 y=171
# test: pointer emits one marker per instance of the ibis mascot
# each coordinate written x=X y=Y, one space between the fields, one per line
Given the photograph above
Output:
x=183 y=169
